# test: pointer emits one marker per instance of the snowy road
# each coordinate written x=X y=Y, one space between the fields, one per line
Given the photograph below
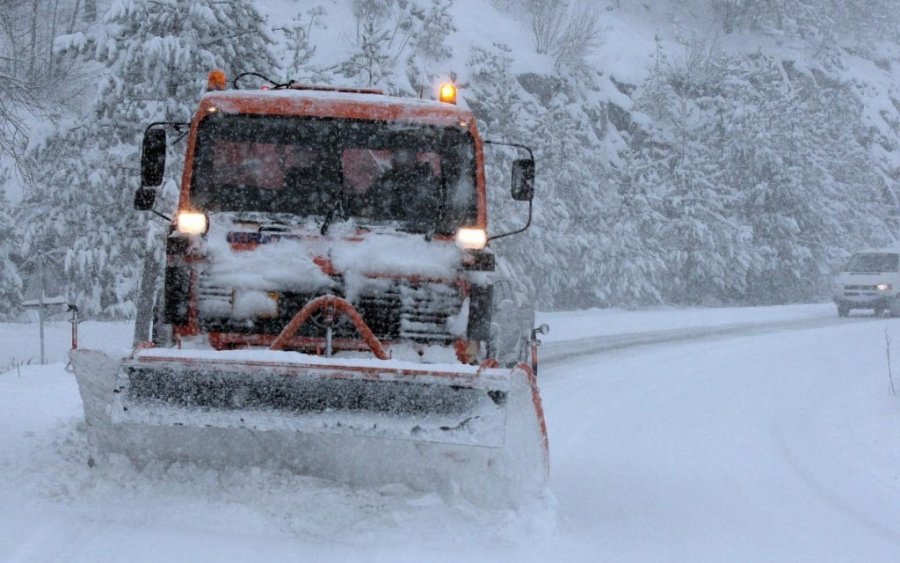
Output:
x=711 y=439
x=778 y=446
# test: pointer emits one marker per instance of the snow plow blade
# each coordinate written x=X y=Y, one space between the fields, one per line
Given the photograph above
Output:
x=313 y=395
x=444 y=427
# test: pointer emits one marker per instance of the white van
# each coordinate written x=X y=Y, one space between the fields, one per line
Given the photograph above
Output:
x=869 y=280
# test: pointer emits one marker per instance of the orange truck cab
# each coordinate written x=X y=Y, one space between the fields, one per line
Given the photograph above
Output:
x=292 y=193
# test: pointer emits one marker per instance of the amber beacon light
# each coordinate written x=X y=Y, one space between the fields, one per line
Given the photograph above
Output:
x=447 y=93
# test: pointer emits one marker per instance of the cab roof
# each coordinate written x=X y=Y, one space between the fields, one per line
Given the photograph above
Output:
x=336 y=104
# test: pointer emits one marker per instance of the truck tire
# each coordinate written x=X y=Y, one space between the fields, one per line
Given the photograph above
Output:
x=161 y=333
x=894 y=310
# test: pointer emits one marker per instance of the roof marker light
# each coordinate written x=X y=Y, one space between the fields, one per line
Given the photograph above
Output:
x=216 y=80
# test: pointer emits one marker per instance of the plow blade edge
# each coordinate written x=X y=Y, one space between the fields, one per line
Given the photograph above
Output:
x=478 y=431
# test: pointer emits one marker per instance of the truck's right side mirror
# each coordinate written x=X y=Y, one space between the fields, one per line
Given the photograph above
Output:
x=523 y=179
x=153 y=165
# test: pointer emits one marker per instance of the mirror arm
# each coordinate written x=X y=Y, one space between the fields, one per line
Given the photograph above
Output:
x=522 y=230
x=507 y=144
x=177 y=125
x=180 y=127
x=157 y=213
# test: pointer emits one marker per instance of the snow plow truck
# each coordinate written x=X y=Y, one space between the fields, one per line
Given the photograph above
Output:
x=328 y=301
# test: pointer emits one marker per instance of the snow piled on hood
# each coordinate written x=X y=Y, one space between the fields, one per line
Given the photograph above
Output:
x=286 y=262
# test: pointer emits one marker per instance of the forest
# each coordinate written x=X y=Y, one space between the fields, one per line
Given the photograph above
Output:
x=694 y=153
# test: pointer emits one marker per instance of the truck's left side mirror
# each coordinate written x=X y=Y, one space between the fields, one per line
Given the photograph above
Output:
x=153 y=158
x=153 y=165
x=523 y=179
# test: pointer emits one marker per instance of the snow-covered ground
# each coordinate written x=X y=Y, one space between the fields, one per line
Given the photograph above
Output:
x=776 y=444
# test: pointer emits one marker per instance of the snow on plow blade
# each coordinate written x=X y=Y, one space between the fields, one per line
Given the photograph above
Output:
x=368 y=422
x=313 y=395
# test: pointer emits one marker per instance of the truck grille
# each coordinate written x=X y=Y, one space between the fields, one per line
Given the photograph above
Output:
x=396 y=309
x=860 y=291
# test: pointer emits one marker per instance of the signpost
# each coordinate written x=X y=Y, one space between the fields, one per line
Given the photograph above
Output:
x=42 y=301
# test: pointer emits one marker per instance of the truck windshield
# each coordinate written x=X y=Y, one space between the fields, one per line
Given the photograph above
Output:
x=873 y=263
x=419 y=176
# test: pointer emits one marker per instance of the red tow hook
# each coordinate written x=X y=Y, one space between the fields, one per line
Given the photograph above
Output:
x=332 y=305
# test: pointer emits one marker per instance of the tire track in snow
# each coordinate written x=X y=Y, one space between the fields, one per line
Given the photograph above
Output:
x=553 y=353
x=826 y=492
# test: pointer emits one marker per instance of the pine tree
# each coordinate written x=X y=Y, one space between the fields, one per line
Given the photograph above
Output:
x=10 y=281
x=383 y=32
x=502 y=112
x=705 y=247
x=633 y=269
x=298 y=38
x=154 y=57
x=559 y=258
x=393 y=33
x=784 y=149
x=426 y=64
x=436 y=26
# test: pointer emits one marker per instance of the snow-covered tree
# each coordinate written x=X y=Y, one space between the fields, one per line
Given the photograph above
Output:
x=426 y=64
x=300 y=45
x=559 y=257
x=633 y=269
x=436 y=26
x=383 y=32
x=393 y=34
x=153 y=57
x=10 y=281
x=810 y=187
x=503 y=113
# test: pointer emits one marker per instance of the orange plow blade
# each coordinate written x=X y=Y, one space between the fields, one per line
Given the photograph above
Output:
x=445 y=427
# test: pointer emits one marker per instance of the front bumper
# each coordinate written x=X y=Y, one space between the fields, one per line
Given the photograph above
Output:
x=864 y=301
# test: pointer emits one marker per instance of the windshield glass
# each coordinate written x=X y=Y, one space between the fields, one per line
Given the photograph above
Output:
x=419 y=176
x=873 y=263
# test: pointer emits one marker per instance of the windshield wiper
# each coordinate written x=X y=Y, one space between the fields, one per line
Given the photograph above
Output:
x=329 y=215
x=335 y=206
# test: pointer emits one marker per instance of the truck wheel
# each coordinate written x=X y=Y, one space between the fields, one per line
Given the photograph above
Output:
x=894 y=310
x=161 y=332
x=843 y=310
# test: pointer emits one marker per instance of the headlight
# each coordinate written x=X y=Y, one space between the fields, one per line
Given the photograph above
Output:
x=471 y=239
x=191 y=223
x=883 y=287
